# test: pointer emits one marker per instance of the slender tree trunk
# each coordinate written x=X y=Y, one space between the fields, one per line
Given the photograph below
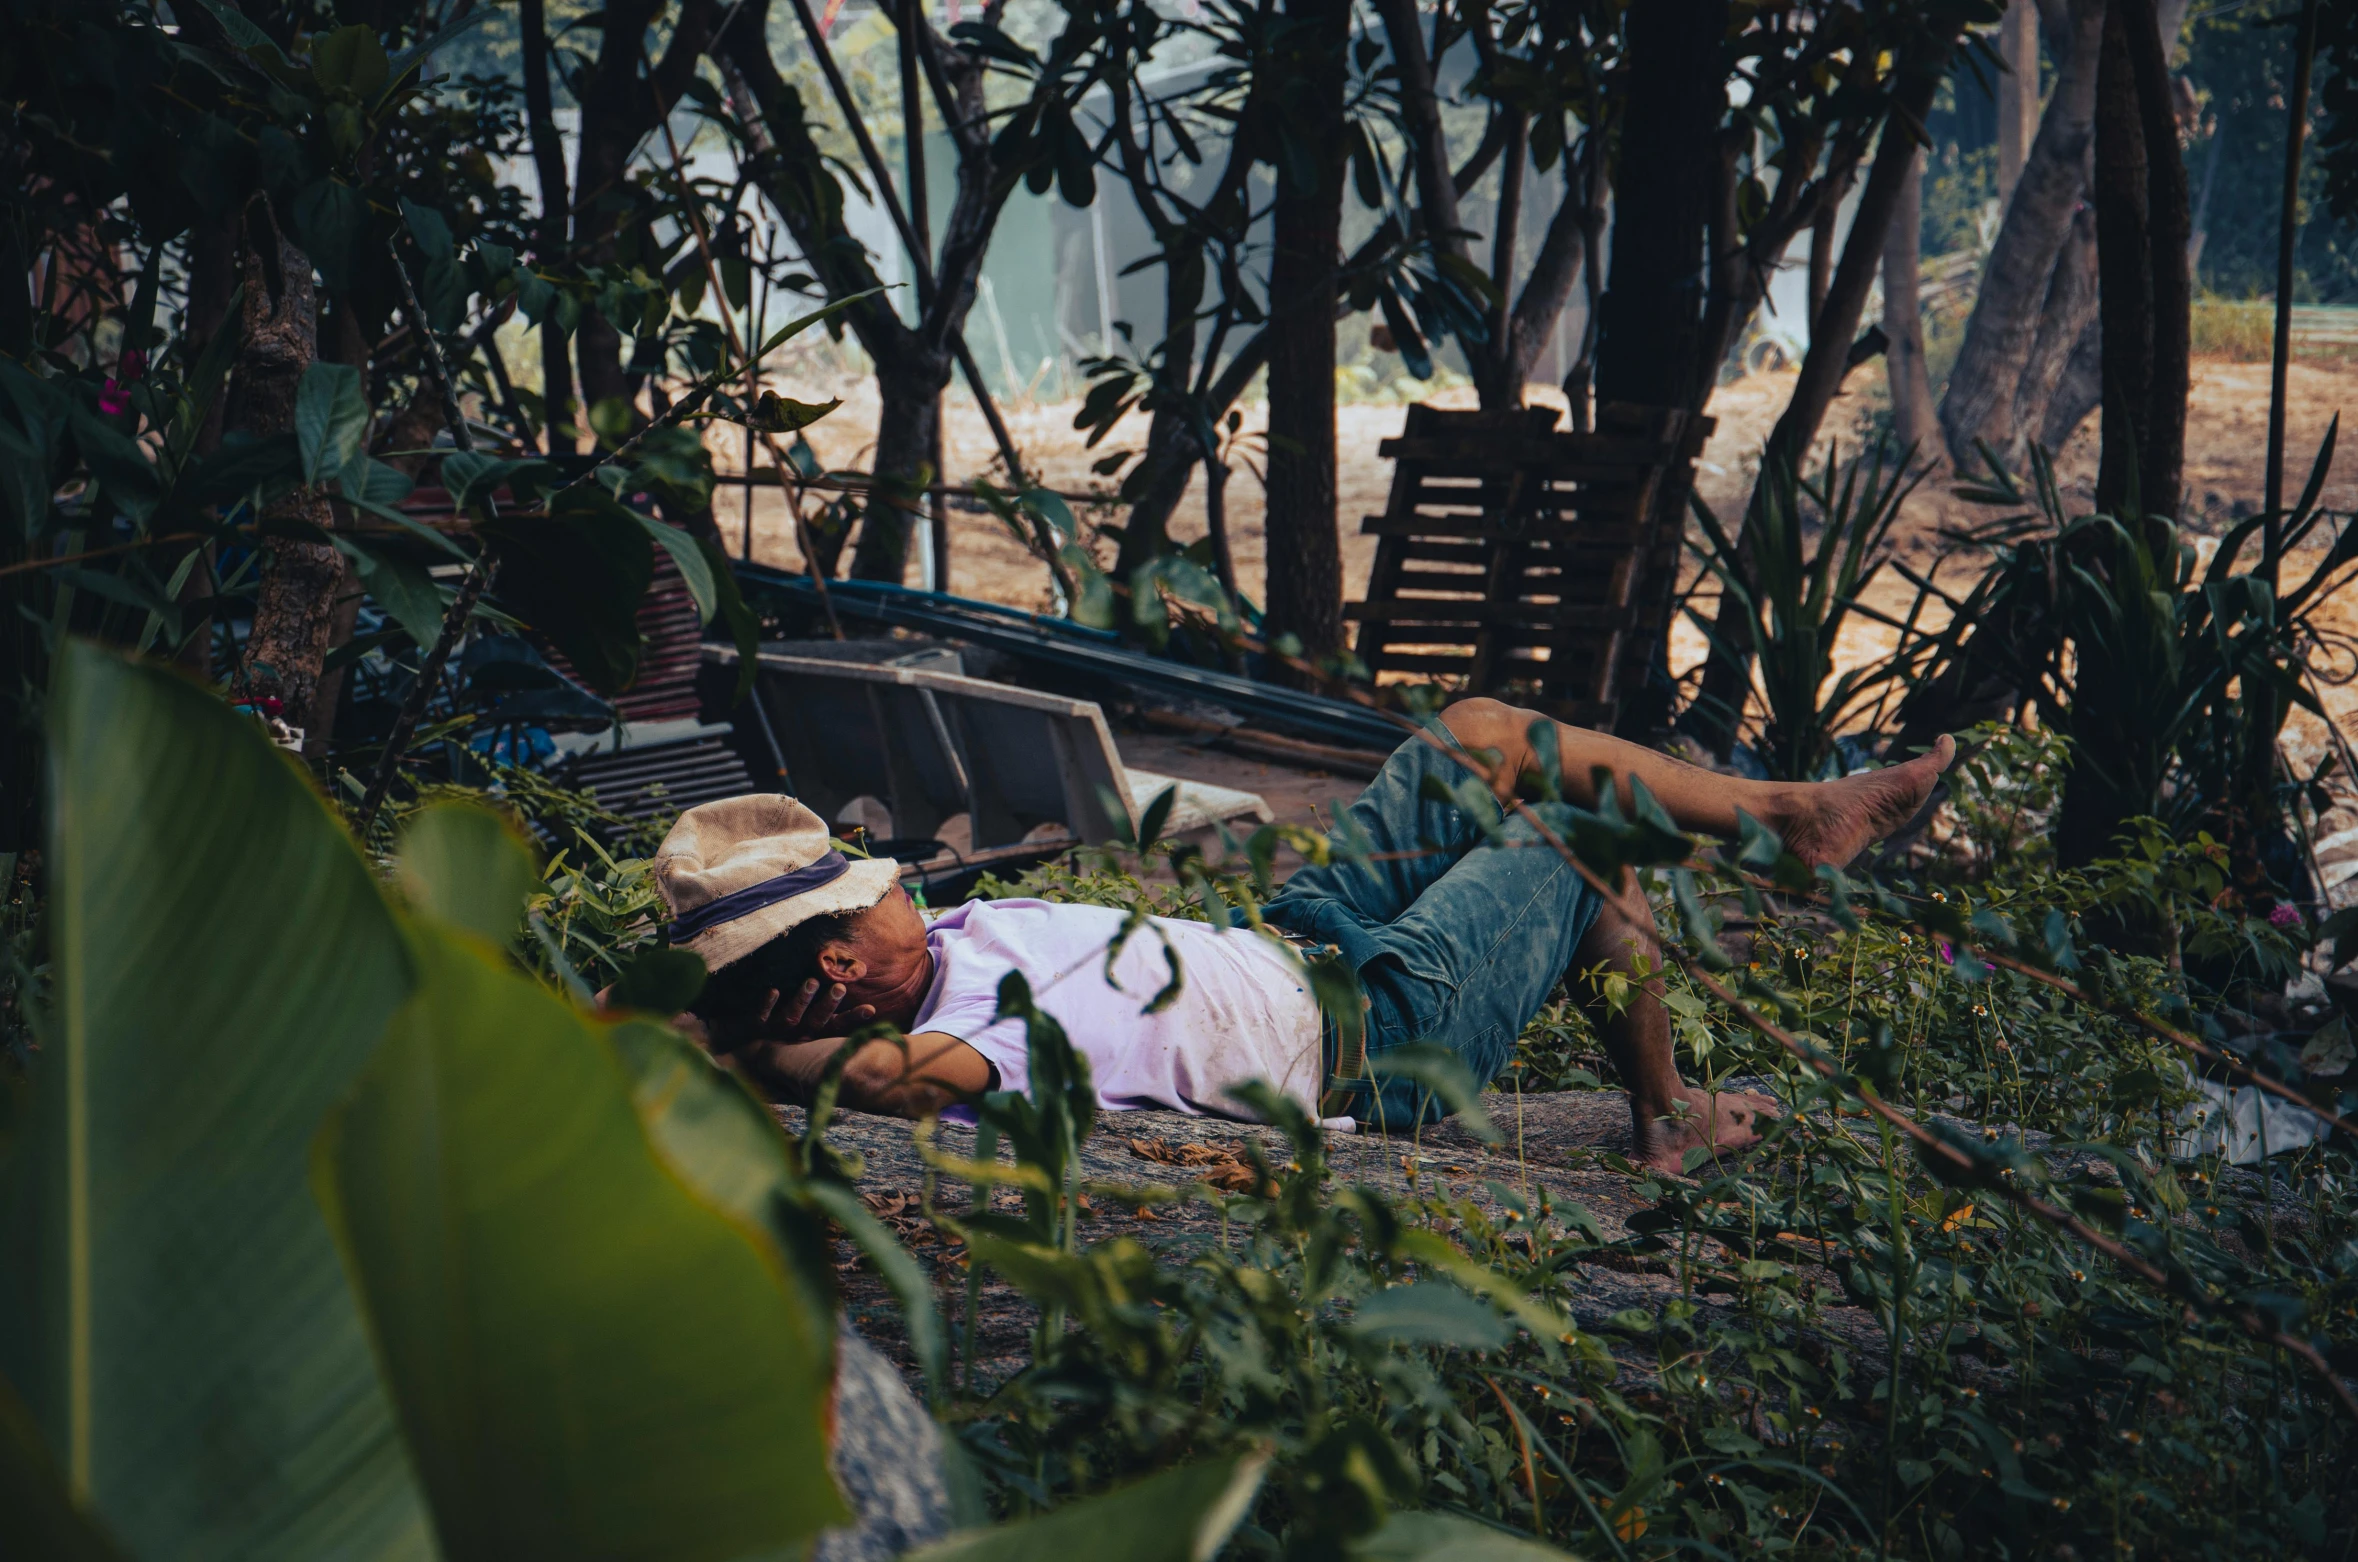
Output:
x=2125 y=270
x=1172 y=449
x=1821 y=257
x=1499 y=378
x=1912 y=419
x=1650 y=321
x=549 y=239
x=1727 y=676
x=2168 y=224
x=2288 y=229
x=2018 y=93
x=296 y=599
x=1979 y=403
x=1304 y=551
x=1647 y=328
x=910 y=397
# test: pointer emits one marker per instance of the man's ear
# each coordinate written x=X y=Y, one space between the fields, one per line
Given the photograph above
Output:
x=838 y=963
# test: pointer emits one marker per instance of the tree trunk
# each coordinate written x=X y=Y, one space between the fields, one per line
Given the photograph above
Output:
x=549 y=240
x=910 y=396
x=2018 y=93
x=2079 y=388
x=1727 y=676
x=1172 y=448
x=1650 y=322
x=1821 y=257
x=2168 y=221
x=1912 y=419
x=2066 y=324
x=2125 y=274
x=1304 y=551
x=1980 y=400
x=1498 y=378
x=296 y=599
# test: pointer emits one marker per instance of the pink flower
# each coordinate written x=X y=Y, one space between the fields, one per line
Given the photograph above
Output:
x=115 y=398
x=1946 y=953
x=2284 y=914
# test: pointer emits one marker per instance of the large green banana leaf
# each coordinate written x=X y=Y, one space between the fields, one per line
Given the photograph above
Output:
x=1182 y=1515
x=592 y=1358
x=172 y=1311
x=596 y=1348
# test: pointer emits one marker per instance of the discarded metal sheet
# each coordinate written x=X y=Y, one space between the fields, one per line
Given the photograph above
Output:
x=1069 y=648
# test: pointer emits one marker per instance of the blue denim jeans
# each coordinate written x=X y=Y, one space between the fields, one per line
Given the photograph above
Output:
x=1455 y=940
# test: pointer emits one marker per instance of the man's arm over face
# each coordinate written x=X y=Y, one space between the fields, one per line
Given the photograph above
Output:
x=910 y=1076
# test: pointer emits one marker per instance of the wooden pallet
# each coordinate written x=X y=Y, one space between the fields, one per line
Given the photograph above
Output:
x=1513 y=558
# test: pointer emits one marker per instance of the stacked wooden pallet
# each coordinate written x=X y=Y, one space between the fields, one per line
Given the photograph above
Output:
x=1516 y=559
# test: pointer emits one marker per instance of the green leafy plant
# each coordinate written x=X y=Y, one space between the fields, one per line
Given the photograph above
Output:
x=171 y=1044
x=1797 y=602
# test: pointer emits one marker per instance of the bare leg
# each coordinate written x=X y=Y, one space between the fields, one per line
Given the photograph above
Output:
x=1668 y=1116
x=1828 y=821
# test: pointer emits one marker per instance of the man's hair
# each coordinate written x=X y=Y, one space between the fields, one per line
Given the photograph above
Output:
x=733 y=995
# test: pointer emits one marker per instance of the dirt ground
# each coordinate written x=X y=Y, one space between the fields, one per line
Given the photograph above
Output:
x=2226 y=450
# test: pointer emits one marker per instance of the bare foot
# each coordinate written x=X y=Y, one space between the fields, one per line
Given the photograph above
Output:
x=1833 y=821
x=1698 y=1119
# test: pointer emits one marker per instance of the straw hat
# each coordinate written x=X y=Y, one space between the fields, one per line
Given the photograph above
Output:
x=742 y=871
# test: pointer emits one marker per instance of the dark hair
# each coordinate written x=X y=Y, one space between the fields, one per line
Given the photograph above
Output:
x=733 y=995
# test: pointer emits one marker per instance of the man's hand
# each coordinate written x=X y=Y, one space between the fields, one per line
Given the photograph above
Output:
x=811 y=1013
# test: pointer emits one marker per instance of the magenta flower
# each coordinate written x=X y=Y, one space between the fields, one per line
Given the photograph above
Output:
x=1946 y=953
x=2284 y=914
x=114 y=399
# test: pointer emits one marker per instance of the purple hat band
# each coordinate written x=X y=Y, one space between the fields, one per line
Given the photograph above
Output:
x=745 y=902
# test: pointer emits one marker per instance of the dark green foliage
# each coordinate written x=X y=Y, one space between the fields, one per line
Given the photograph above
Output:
x=1799 y=598
x=2241 y=62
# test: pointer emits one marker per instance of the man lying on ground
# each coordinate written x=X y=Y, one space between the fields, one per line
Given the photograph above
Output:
x=1453 y=940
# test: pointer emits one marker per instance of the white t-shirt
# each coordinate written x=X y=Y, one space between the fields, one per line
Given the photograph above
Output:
x=1243 y=1011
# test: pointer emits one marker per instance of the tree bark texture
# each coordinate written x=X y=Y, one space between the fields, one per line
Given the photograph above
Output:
x=909 y=412
x=2079 y=388
x=1821 y=258
x=2168 y=221
x=297 y=594
x=2066 y=324
x=619 y=106
x=1305 y=567
x=2018 y=93
x=1913 y=422
x=1979 y=405
x=2124 y=264
x=1650 y=325
x=549 y=239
